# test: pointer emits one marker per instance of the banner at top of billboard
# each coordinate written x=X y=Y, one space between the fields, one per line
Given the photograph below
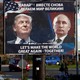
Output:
x=39 y=27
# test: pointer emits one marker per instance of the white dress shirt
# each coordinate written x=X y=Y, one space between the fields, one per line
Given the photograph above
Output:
x=19 y=39
x=61 y=38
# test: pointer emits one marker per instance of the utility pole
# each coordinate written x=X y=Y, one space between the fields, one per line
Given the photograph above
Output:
x=39 y=67
x=76 y=45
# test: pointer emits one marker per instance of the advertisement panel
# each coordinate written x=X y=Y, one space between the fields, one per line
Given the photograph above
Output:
x=34 y=27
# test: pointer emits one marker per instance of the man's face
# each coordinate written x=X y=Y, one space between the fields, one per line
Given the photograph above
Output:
x=61 y=25
x=22 y=26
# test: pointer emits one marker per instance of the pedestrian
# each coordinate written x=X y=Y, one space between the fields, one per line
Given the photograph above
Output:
x=62 y=69
x=66 y=69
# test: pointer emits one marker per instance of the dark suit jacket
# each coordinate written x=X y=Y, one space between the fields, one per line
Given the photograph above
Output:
x=13 y=41
x=12 y=48
x=68 y=39
x=68 y=44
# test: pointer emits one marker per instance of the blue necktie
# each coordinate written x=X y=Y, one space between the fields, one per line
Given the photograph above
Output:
x=22 y=41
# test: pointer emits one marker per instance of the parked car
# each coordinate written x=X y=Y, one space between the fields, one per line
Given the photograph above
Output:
x=24 y=64
x=15 y=64
x=52 y=60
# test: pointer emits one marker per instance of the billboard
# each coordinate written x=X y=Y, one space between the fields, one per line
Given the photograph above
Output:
x=34 y=27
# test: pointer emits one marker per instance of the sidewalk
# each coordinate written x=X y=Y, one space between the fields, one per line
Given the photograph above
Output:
x=67 y=77
x=3 y=77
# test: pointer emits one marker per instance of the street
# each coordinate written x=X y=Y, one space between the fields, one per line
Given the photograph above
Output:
x=55 y=71
x=18 y=75
x=6 y=74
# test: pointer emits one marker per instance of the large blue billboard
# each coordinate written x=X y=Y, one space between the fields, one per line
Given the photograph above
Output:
x=39 y=27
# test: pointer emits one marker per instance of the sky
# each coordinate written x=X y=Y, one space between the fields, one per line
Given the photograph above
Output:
x=1 y=0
